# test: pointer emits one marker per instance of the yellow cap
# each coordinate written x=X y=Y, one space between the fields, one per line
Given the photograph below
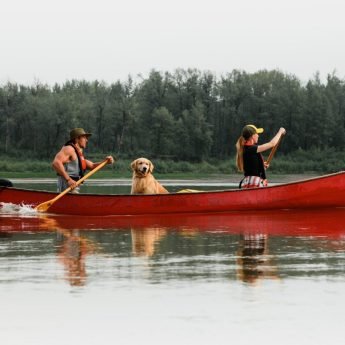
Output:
x=257 y=130
x=250 y=130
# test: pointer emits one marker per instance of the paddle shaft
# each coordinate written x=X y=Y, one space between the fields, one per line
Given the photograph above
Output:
x=45 y=205
x=273 y=151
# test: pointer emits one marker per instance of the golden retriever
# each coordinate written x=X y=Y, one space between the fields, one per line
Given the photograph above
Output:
x=143 y=182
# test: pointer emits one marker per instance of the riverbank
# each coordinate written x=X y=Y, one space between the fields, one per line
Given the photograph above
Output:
x=212 y=179
x=300 y=163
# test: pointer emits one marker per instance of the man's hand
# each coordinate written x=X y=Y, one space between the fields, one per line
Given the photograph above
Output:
x=110 y=159
x=71 y=183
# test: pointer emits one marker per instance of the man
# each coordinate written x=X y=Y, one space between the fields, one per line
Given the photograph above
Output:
x=70 y=163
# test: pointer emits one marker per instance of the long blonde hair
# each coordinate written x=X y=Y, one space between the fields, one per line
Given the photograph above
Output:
x=239 y=155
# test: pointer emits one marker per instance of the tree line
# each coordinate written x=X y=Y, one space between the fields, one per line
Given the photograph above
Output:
x=187 y=115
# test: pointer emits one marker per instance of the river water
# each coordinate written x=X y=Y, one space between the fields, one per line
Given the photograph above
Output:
x=267 y=278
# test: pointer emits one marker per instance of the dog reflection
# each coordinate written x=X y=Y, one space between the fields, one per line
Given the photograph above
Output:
x=254 y=262
x=188 y=232
x=144 y=240
x=72 y=252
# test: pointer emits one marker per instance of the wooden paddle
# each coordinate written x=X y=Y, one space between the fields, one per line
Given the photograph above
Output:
x=273 y=151
x=45 y=205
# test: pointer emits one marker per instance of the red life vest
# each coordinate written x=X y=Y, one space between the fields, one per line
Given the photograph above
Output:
x=81 y=159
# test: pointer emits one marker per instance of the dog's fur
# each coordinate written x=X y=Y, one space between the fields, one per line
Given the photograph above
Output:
x=143 y=182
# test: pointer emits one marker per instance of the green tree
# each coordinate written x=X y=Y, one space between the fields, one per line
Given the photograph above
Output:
x=160 y=133
x=194 y=134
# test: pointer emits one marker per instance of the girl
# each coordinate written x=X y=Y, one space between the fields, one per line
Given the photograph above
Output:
x=249 y=159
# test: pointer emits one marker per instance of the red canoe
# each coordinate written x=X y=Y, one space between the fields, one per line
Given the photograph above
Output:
x=321 y=192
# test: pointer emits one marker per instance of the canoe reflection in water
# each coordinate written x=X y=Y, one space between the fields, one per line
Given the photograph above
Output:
x=254 y=261
x=158 y=234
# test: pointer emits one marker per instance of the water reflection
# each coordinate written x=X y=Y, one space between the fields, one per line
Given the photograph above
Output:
x=72 y=250
x=254 y=260
x=249 y=247
x=144 y=240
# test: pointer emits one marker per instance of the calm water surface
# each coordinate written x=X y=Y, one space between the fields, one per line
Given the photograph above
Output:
x=268 y=278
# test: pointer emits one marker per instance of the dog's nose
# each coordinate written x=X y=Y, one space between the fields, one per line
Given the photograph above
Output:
x=144 y=169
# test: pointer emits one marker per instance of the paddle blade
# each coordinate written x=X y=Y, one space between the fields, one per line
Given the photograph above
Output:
x=44 y=206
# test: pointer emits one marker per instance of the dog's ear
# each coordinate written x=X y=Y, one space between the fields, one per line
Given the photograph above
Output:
x=151 y=167
x=134 y=164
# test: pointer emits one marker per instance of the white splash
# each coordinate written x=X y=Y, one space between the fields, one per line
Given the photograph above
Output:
x=14 y=209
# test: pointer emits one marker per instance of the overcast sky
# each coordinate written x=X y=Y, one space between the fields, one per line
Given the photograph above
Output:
x=52 y=41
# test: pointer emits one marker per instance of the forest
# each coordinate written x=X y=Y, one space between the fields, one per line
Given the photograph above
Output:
x=185 y=116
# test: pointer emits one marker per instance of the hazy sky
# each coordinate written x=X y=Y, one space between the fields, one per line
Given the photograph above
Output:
x=57 y=40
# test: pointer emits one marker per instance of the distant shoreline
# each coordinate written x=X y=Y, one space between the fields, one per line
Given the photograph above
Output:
x=172 y=181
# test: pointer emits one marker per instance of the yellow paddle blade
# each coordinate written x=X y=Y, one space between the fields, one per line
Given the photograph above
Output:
x=44 y=206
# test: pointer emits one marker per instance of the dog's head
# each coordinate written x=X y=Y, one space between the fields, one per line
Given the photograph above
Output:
x=142 y=166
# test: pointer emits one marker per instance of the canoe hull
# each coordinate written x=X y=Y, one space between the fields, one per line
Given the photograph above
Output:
x=322 y=192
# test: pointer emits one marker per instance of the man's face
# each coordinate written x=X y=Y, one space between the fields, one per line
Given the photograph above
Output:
x=82 y=141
